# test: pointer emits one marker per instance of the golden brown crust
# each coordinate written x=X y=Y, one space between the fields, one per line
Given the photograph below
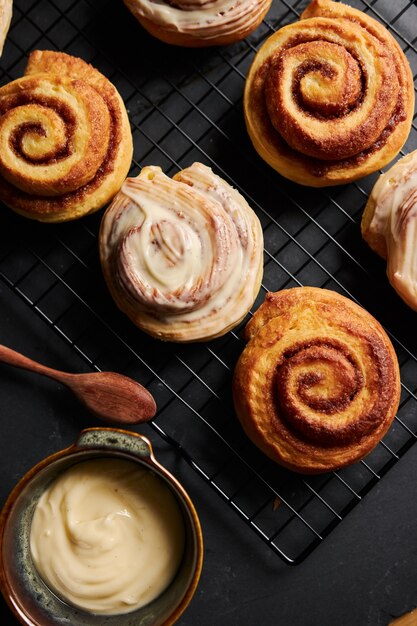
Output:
x=375 y=240
x=66 y=139
x=318 y=384
x=330 y=98
x=221 y=27
x=182 y=257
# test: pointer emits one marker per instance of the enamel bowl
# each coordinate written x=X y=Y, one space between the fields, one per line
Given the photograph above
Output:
x=32 y=602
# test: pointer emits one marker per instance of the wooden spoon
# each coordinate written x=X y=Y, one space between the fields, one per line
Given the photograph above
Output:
x=112 y=397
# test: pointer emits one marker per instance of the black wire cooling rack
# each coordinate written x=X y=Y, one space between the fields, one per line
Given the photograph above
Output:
x=185 y=106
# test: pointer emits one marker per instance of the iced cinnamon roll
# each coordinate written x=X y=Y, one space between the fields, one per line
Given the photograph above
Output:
x=389 y=225
x=6 y=9
x=318 y=383
x=65 y=140
x=330 y=98
x=182 y=257
x=199 y=23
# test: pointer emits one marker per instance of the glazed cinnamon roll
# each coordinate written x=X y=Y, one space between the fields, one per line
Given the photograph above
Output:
x=6 y=9
x=318 y=383
x=330 y=98
x=182 y=257
x=389 y=225
x=199 y=23
x=65 y=140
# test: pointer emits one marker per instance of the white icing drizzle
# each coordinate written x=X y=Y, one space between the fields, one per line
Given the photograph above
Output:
x=199 y=19
x=395 y=219
x=187 y=250
x=6 y=9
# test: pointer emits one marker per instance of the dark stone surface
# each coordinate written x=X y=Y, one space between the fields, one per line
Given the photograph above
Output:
x=364 y=573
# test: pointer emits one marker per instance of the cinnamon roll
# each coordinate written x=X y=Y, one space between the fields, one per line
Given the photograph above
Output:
x=65 y=140
x=199 y=23
x=389 y=225
x=318 y=383
x=6 y=9
x=330 y=98
x=182 y=257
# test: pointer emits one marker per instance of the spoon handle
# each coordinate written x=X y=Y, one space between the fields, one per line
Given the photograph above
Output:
x=108 y=395
x=9 y=356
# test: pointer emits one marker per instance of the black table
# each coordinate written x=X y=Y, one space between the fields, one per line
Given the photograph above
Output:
x=364 y=573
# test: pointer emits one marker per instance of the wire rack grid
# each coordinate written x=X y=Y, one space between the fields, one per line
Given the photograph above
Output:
x=186 y=106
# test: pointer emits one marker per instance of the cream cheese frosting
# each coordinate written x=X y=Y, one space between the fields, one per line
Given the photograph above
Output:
x=107 y=536
x=390 y=225
x=182 y=256
x=6 y=9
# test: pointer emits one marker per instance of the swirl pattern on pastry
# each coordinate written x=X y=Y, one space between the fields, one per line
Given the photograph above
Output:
x=389 y=225
x=330 y=98
x=65 y=140
x=199 y=23
x=318 y=384
x=183 y=257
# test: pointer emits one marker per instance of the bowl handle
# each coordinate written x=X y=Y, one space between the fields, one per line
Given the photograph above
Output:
x=115 y=439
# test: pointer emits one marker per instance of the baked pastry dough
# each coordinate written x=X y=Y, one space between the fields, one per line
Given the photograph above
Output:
x=6 y=9
x=318 y=384
x=199 y=23
x=65 y=140
x=330 y=98
x=389 y=225
x=183 y=257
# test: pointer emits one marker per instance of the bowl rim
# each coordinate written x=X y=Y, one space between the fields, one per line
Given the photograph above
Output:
x=13 y=599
